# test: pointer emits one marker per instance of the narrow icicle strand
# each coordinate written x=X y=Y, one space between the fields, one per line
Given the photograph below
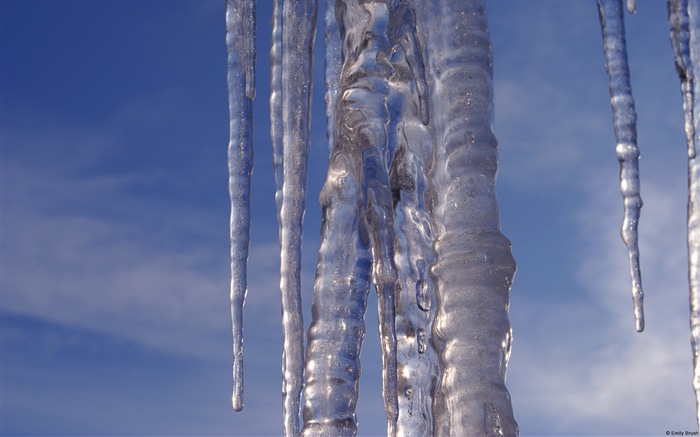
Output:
x=684 y=24
x=290 y=103
x=694 y=204
x=678 y=21
x=240 y=167
x=625 y=119
x=333 y=66
x=249 y=43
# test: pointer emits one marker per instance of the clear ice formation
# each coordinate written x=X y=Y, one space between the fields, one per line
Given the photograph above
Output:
x=240 y=45
x=409 y=204
x=625 y=119
x=409 y=195
x=291 y=56
x=684 y=23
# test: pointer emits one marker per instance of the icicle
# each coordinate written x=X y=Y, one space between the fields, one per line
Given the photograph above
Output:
x=249 y=43
x=357 y=199
x=240 y=167
x=410 y=145
x=625 y=118
x=339 y=304
x=680 y=40
x=684 y=23
x=694 y=203
x=333 y=65
x=632 y=6
x=276 y=111
x=474 y=267
x=290 y=107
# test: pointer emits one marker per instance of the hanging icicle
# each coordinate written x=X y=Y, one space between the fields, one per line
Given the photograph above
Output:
x=239 y=40
x=474 y=267
x=290 y=104
x=625 y=119
x=684 y=24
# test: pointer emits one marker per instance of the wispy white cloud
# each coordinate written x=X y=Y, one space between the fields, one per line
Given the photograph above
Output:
x=578 y=366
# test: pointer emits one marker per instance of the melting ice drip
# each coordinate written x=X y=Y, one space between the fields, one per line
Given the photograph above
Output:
x=409 y=204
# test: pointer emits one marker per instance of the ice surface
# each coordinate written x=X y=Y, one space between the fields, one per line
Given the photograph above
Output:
x=293 y=37
x=694 y=203
x=240 y=167
x=474 y=268
x=625 y=121
x=685 y=38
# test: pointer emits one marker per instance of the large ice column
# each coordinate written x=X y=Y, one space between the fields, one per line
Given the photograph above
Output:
x=474 y=267
x=293 y=37
x=339 y=303
x=240 y=37
x=357 y=200
x=625 y=121
x=410 y=146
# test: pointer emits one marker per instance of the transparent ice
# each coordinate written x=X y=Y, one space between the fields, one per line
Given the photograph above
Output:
x=409 y=206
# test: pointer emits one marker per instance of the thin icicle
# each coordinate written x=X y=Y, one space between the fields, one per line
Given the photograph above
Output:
x=290 y=103
x=694 y=203
x=240 y=167
x=625 y=119
x=632 y=6
x=680 y=40
x=249 y=43
x=474 y=267
x=276 y=127
x=333 y=65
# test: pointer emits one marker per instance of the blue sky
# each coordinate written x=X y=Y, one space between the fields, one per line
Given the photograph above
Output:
x=115 y=316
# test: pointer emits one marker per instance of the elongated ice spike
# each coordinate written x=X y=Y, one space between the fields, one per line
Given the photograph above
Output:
x=333 y=65
x=249 y=43
x=678 y=21
x=694 y=202
x=240 y=167
x=625 y=119
x=290 y=103
x=276 y=109
x=474 y=267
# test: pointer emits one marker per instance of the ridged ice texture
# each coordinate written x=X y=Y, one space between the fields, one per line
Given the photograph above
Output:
x=694 y=204
x=240 y=167
x=474 y=267
x=339 y=304
x=294 y=30
x=625 y=119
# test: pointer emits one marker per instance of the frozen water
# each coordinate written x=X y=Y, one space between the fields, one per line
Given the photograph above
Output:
x=240 y=167
x=409 y=205
x=290 y=107
x=625 y=121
